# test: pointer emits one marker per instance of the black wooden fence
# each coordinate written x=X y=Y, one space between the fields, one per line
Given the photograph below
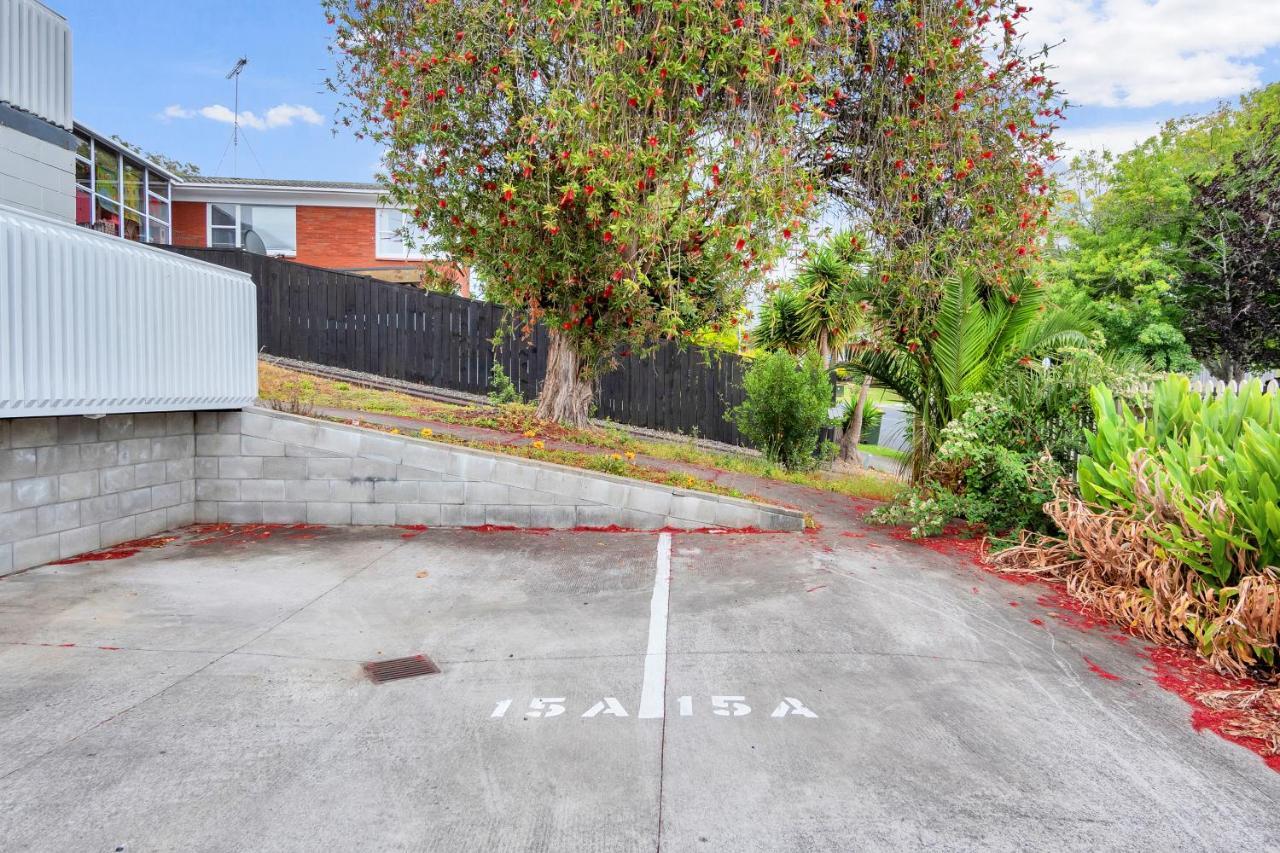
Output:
x=361 y=323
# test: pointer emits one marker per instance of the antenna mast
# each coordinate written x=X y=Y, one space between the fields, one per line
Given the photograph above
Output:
x=234 y=74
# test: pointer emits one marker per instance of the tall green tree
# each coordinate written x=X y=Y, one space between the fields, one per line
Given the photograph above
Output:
x=621 y=171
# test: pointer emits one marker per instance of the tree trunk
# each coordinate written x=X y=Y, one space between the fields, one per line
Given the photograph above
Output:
x=849 y=441
x=824 y=348
x=566 y=393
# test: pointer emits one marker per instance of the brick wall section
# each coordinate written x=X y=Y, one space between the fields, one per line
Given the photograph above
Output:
x=189 y=224
x=265 y=466
x=73 y=484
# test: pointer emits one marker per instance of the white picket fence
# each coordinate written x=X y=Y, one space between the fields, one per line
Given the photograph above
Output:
x=1209 y=388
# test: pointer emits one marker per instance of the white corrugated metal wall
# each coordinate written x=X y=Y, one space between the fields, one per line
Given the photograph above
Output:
x=35 y=60
x=92 y=324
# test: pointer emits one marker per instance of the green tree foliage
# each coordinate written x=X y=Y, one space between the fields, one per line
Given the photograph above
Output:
x=619 y=170
x=786 y=406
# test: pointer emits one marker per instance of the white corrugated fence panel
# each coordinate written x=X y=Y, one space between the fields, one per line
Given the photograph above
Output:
x=35 y=60
x=93 y=324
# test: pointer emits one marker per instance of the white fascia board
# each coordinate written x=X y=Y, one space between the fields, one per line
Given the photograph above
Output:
x=285 y=196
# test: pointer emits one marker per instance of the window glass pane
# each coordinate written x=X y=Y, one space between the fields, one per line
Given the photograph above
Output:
x=82 y=145
x=83 y=170
x=277 y=226
x=133 y=188
x=224 y=238
x=107 y=174
x=133 y=225
x=158 y=184
x=222 y=214
x=159 y=232
x=84 y=207
x=157 y=208
x=397 y=236
x=106 y=215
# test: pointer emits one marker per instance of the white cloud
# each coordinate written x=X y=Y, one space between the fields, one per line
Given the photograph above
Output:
x=281 y=115
x=1139 y=53
x=1116 y=138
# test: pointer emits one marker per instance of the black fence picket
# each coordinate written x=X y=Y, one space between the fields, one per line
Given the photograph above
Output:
x=360 y=323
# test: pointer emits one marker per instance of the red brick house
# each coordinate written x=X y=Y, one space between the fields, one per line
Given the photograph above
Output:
x=333 y=224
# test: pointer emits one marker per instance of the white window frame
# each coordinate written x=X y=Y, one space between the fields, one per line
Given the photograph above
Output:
x=209 y=227
x=409 y=254
x=147 y=192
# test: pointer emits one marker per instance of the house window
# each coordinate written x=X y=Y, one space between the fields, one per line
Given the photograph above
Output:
x=119 y=195
x=276 y=226
x=398 y=239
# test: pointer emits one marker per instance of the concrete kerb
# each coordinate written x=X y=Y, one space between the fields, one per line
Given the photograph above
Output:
x=593 y=491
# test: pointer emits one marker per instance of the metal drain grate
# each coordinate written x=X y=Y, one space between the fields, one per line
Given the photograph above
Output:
x=389 y=670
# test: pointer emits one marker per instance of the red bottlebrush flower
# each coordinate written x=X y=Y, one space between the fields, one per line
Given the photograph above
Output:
x=987 y=155
x=884 y=278
x=617 y=275
x=909 y=79
x=699 y=89
x=649 y=173
x=632 y=102
x=443 y=204
x=506 y=195
x=956 y=42
x=567 y=198
x=1022 y=250
x=608 y=291
x=588 y=189
x=899 y=164
x=786 y=233
x=534 y=75
x=793 y=41
x=653 y=141
x=567 y=325
x=740 y=245
x=959 y=96
x=737 y=23
x=608 y=236
x=862 y=17
x=1013 y=298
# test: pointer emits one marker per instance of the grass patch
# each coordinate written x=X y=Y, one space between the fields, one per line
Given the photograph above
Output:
x=882 y=451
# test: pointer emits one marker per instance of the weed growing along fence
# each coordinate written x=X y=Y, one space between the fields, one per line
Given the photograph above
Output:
x=361 y=323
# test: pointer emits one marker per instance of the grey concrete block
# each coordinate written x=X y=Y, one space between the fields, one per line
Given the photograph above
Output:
x=116 y=479
x=598 y=491
x=77 y=486
x=431 y=458
x=4 y=434
x=33 y=432
x=240 y=512
x=650 y=500
x=529 y=497
x=328 y=513
x=472 y=468
x=6 y=559
x=217 y=490
x=305 y=452
x=217 y=445
x=383 y=449
x=262 y=490
x=149 y=473
x=443 y=493
x=36 y=491
x=516 y=474
x=180 y=515
x=115 y=427
x=179 y=469
x=167 y=495
x=148 y=424
x=59 y=459
x=18 y=524
x=99 y=454
x=389 y=492
x=637 y=520
x=306 y=490
x=206 y=422
x=373 y=514
x=78 y=541
x=461 y=515
x=6 y=495
x=232 y=423
x=131 y=451
x=735 y=515
x=487 y=493
x=239 y=467
x=590 y=515
x=292 y=432
x=54 y=518
x=279 y=468
x=35 y=551
x=179 y=423
x=557 y=482
x=206 y=512
x=134 y=501
x=116 y=531
x=75 y=429
x=253 y=446
x=151 y=523
x=103 y=508
x=373 y=469
x=782 y=521
x=695 y=509
x=17 y=463
x=683 y=523
x=343 y=442
x=328 y=469
x=506 y=515
x=206 y=467
x=173 y=447
x=188 y=490
x=358 y=491
x=284 y=512
x=408 y=472
x=558 y=517
x=428 y=514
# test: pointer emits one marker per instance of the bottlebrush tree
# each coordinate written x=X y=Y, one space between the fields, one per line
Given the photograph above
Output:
x=620 y=171
x=932 y=128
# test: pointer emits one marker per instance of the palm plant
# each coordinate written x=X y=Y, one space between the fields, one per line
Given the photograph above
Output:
x=977 y=333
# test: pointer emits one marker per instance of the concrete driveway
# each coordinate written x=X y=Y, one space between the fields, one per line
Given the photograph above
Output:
x=599 y=692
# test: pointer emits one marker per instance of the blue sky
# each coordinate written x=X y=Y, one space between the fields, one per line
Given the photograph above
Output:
x=153 y=72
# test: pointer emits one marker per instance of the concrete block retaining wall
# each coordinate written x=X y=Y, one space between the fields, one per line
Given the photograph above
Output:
x=74 y=484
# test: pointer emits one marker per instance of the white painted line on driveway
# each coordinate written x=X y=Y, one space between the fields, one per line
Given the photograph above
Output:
x=653 y=694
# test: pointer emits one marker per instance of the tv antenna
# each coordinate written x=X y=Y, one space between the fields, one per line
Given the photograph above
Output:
x=234 y=74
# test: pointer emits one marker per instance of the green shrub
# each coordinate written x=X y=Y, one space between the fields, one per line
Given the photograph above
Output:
x=872 y=415
x=1213 y=464
x=989 y=470
x=785 y=408
x=501 y=388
